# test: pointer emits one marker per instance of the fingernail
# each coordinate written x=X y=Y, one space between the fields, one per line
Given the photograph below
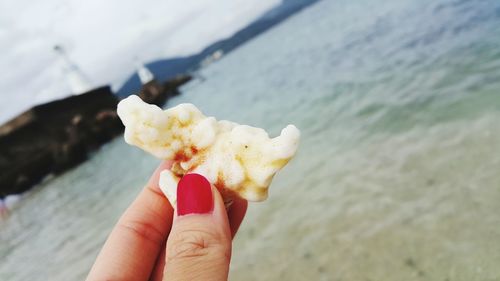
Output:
x=194 y=195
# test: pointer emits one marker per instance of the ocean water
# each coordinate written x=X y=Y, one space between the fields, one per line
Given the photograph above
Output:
x=397 y=176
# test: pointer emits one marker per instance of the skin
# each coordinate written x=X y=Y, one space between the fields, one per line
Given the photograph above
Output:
x=150 y=242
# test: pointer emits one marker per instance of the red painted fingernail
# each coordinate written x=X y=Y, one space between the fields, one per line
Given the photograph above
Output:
x=194 y=195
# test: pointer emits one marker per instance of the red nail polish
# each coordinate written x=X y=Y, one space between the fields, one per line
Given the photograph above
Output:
x=194 y=195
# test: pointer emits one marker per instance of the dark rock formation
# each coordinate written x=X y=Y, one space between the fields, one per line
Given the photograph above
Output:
x=157 y=93
x=53 y=137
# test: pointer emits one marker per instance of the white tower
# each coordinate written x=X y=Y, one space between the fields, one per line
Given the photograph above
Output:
x=144 y=73
x=77 y=80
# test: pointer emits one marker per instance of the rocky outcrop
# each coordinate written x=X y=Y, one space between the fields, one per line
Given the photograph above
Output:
x=56 y=136
x=158 y=93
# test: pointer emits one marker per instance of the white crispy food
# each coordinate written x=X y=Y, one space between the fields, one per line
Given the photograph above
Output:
x=237 y=159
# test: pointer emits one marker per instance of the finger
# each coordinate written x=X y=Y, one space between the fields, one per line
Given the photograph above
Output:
x=199 y=245
x=157 y=274
x=236 y=213
x=132 y=247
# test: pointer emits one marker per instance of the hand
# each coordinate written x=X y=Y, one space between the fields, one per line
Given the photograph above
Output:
x=151 y=241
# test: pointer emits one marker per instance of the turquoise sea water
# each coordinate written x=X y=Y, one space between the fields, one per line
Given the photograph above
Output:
x=397 y=176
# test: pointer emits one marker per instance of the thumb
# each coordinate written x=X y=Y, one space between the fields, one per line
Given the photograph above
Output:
x=199 y=244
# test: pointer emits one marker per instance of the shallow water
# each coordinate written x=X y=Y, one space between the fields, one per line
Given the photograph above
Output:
x=397 y=173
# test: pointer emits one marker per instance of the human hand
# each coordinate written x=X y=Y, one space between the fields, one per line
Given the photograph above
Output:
x=151 y=241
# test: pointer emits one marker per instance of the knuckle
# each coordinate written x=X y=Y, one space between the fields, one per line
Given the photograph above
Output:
x=196 y=243
x=143 y=231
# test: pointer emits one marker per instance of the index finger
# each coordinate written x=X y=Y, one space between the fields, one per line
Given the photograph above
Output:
x=133 y=246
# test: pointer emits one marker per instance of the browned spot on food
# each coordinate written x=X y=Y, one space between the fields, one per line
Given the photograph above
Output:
x=220 y=183
x=280 y=162
x=199 y=157
x=226 y=193
x=194 y=150
x=181 y=156
x=177 y=170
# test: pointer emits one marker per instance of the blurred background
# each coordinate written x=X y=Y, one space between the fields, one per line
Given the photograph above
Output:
x=397 y=175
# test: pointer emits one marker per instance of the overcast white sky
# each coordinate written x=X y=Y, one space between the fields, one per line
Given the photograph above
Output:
x=103 y=37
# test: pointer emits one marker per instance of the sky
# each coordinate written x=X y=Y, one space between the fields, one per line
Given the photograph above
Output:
x=103 y=38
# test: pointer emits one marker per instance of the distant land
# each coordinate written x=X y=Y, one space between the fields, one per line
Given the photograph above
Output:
x=165 y=69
